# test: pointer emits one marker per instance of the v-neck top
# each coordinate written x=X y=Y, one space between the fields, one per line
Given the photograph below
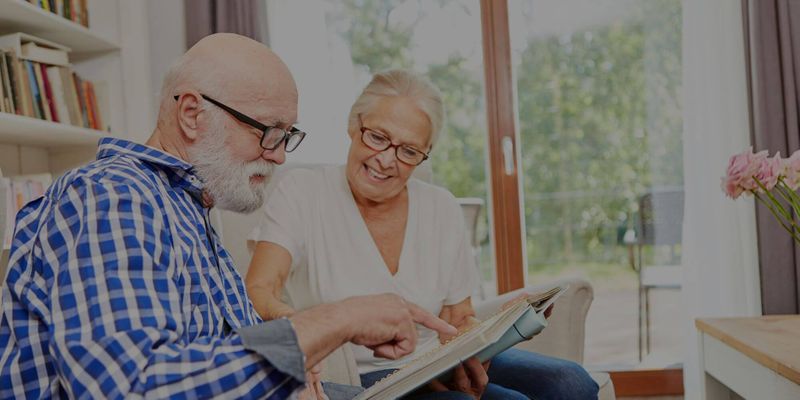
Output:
x=312 y=214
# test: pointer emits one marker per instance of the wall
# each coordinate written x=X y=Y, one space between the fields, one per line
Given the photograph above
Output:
x=167 y=41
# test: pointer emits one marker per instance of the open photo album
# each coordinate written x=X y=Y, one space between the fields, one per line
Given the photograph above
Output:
x=520 y=321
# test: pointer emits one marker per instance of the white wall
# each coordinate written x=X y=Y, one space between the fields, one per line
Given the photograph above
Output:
x=167 y=41
x=323 y=71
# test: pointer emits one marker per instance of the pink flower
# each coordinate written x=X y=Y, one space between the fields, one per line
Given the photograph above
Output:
x=791 y=167
x=769 y=171
x=741 y=169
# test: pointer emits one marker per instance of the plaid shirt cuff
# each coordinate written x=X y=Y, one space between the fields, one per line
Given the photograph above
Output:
x=276 y=341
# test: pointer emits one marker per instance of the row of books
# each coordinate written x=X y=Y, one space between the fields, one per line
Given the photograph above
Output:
x=73 y=10
x=17 y=192
x=48 y=92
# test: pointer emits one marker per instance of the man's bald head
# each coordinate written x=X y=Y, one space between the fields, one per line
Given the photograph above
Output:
x=228 y=66
x=239 y=74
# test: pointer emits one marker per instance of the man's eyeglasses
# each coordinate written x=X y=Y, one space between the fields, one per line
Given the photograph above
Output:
x=271 y=136
x=379 y=142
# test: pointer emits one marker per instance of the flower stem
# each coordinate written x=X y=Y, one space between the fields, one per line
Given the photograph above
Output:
x=794 y=199
x=782 y=190
x=772 y=209
x=777 y=204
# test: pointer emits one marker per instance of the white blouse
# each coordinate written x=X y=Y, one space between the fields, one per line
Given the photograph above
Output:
x=311 y=213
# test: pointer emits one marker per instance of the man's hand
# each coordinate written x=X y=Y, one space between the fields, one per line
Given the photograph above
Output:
x=313 y=390
x=470 y=377
x=387 y=324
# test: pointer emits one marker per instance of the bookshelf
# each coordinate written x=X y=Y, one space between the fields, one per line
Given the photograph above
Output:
x=113 y=50
x=49 y=135
x=21 y=16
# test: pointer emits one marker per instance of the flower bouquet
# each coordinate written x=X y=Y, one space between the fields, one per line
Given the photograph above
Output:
x=772 y=180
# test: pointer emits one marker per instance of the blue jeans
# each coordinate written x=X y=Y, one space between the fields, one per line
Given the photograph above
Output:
x=518 y=374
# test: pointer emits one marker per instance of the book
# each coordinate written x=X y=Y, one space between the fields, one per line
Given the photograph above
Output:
x=23 y=101
x=13 y=89
x=59 y=94
x=70 y=96
x=34 y=52
x=5 y=85
x=521 y=321
x=81 y=99
x=49 y=96
x=87 y=95
x=32 y=48
x=34 y=87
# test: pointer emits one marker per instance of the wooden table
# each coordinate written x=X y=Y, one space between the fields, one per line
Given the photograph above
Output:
x=758 y=357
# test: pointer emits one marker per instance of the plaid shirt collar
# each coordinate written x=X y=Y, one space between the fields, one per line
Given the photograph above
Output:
x=180 y=173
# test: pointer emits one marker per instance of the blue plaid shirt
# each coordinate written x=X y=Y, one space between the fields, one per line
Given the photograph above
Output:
x=118 y=287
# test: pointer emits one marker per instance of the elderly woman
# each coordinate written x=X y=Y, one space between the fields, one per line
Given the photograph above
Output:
x=368 y=227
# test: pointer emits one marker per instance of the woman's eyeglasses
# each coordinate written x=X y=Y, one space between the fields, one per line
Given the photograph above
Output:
x=379 y=142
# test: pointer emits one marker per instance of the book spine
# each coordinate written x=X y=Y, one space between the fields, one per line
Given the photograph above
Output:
x=16 y=85
x=89 y=108
x=84 y=20
x=35 y=95
x=81 y=100
x=5 y=88
x=59 y=98
x=49 y=95
x=44 y=106
x=98 y=117
x=70 y=97
x=24 y=87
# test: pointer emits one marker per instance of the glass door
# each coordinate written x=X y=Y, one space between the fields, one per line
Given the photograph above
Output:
x=598 y=94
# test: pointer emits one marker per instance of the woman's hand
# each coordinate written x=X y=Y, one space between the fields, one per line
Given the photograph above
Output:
x=470 y=377
x=266 y=278
x=461 y=315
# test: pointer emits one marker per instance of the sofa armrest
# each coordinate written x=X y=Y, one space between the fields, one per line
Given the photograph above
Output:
x=564 y=336
x=340 y=367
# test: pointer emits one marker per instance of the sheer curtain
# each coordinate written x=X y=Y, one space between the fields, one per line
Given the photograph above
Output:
x=719 y=240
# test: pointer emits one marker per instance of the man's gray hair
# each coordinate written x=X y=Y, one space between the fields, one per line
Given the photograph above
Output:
x=183 y=73
x=401 y=83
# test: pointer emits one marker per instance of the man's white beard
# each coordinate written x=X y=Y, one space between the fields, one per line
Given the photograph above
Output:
x=228 y=180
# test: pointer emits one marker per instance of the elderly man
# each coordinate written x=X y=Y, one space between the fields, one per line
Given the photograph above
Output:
x=118 y=285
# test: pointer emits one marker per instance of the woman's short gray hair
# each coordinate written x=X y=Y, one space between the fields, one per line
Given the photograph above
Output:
x=404 y=84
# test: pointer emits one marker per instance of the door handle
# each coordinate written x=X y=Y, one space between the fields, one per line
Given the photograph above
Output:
x=508 y=155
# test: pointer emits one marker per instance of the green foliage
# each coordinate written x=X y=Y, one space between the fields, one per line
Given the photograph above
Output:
x=600 y=124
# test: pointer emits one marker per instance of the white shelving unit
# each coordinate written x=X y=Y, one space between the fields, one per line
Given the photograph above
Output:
x=114 y=50
x=49 y=135
x=21 y=16
x=111 y=51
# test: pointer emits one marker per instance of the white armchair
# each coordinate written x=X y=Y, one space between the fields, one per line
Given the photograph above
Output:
x=563 y=337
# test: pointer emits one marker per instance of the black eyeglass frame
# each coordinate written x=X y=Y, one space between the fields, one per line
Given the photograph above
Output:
x=258 y=125
x=397 y=147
